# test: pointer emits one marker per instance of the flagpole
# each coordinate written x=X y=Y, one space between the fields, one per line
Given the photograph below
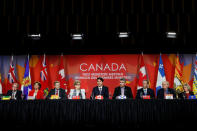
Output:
x=28 y=56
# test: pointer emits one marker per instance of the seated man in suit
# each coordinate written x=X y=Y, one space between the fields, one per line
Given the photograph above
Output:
x=122 y=90
x=57 y=91
x=145 y=91
x=100 y=90
x=165 y=91
x=15 y=94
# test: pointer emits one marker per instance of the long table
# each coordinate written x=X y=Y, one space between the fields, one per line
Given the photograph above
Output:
x=97 y=113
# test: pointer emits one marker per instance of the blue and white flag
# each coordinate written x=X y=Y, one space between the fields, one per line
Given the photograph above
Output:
x=26 y=85
x=160 y=76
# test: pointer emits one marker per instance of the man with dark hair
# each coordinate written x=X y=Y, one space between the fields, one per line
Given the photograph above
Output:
x=15 y=94
x=57 y=91
x=100 y=78
x=145 y=91
x=122 y=91
x=100 y=90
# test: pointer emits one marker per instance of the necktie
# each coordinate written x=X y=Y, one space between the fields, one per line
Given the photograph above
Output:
x=56 y=92
x=13 y=95
x=100 y=90
x=145 y=91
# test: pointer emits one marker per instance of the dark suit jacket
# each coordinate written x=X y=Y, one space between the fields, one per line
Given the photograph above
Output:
x=127 y=92
x=160 y=93
x=183 y=95
x=104 y=92
x=18 y=94
x=62 y=93
x=141 y=92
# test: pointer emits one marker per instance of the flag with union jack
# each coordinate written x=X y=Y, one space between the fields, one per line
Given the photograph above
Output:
x=44 y=74
x=11 y=74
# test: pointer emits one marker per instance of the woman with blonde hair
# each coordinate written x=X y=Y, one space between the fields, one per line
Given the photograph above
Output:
x=77 y=93
x=186 y=92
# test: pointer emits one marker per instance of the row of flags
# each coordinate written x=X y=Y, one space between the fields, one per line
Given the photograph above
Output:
x=178 y=75
x=26 y=84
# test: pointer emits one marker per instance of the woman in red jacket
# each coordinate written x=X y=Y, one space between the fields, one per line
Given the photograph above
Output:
x=36 y=92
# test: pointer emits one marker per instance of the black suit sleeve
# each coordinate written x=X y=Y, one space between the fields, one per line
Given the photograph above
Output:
x=50 y=93
x=152 y=94
x=191 y=93
x=138 y=94
x=130 y=94
x=180 y=96
x=63 y=96
x=115 y=94
x=159 y=94
x=174 y=95
x=106 y=93
x=92 y=95
x=8 y=93
x=19 y=95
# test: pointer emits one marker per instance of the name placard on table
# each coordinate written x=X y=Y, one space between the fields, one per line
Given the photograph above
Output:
x=99 y=97
x=146 y=97
x=168 y=96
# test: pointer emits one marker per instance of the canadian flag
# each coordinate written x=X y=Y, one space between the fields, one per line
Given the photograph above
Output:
x=99 y=97
x=44 y=74
x=61 y=75
x=142 y=73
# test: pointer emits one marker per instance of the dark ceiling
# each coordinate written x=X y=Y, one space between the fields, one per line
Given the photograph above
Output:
x=147 y=21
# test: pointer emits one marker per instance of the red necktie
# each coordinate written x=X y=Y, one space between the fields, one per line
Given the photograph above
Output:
x=56 y=92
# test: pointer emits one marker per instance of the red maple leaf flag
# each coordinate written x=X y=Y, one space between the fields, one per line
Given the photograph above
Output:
x=142 y=74
x=61 y=75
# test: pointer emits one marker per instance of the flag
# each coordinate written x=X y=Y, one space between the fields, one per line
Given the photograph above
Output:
x=0 y=85
x=61 y=75
x=160 y=75
x=178 y=75
x=26 y=84
x=44 y=74
x=195 y=77
x=142 y=74
x=11 y=74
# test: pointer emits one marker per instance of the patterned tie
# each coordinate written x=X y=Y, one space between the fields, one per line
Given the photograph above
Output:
x=13 y=95
x=56 y=92
x=100 y=90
